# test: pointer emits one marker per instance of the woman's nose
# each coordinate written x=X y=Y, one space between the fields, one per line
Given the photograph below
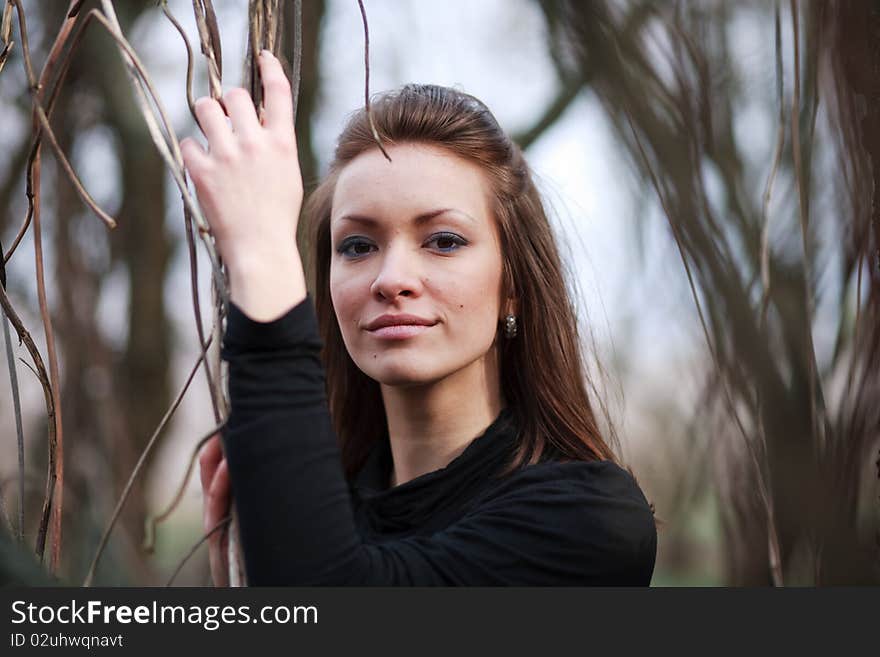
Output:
x=398 y=275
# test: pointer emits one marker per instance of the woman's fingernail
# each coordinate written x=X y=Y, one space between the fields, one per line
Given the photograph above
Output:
x=265 y=53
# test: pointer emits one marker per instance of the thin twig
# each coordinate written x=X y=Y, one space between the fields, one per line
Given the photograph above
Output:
x=153 y=521
x=855 y=360
x=773 y=543
x=189 y=58
x=217 y=336
x=569 y=89
x=367 y=80
x=55 y=464
x=225 y=521
x=6 y=23
x=29 y=366
x=16 y=407
x=209 y=38
x=4 y=54
x=137 y=468
x=271 y=27
x=169 y=149
x=214 y=385
x=49 y=399
x=19 y=432
x=7 y=521
x=256 y=42
x=768 y=189
x=166 y=142
x=54 y=374
x=5 y=34
x=16 y=162
x=188 y=223
x=235 y=571
x=214 y=31
x=35 y=88
x=36 y=140
x=817 y=425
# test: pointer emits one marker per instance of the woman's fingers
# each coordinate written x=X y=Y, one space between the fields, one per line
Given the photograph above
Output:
x=249 y=187
x=277 y=103
x=218 y=495
x=209 y=459
x=195 y=157
x=217 y=491
x=212 y=120
x=241 y=110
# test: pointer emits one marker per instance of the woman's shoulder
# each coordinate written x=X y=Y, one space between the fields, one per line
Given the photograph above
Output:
x=599 y=493
x=603 y=478
x=591 y=515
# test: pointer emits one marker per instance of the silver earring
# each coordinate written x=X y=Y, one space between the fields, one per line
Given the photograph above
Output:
x=510 y=326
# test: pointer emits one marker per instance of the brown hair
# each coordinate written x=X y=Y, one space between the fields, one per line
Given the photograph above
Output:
x=543 y=377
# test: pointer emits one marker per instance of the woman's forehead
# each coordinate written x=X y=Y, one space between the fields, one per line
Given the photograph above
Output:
x=419 y=180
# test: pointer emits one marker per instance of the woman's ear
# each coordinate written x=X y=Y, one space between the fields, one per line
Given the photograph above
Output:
x=511 y=307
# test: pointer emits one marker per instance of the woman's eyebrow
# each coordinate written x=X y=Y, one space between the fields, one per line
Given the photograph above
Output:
x=417 y=220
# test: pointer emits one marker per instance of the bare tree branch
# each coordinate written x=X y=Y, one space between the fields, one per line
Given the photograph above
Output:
x=220 y=525
x=367 y=80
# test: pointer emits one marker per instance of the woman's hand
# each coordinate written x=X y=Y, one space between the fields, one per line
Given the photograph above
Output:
x=249 y=186
x=216 y=506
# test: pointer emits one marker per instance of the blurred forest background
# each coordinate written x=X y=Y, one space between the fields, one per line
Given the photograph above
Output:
x=710 y=169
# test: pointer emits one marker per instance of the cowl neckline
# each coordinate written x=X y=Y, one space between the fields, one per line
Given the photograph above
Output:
x=410 y=505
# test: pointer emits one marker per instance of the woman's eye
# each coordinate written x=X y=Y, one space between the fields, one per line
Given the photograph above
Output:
x=447 y=242
x=357 y=247
x=354 y=248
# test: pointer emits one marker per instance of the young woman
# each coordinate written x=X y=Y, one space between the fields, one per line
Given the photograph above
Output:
x=420 y=417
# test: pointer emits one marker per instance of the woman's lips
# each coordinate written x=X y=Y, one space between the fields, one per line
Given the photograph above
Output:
x=399 y=331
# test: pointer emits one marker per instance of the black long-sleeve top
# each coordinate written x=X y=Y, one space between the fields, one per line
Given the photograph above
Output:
x=301 y=523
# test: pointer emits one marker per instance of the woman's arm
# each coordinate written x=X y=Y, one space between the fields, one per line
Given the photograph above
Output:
x=249 y=186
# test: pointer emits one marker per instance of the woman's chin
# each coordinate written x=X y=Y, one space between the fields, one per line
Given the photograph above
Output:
x=400 y=374
x=404 y=379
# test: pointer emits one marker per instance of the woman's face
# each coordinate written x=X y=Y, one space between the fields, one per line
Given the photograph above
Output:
x=415 y=236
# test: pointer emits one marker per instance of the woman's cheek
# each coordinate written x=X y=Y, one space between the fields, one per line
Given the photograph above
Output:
x=348 y=298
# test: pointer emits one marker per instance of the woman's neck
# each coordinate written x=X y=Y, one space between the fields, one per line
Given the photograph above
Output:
x=429 y=425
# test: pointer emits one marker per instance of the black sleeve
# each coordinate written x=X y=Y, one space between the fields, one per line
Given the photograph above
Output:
x=551 y=524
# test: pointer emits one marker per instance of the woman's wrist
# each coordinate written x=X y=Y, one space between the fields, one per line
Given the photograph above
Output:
x=265 y=288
